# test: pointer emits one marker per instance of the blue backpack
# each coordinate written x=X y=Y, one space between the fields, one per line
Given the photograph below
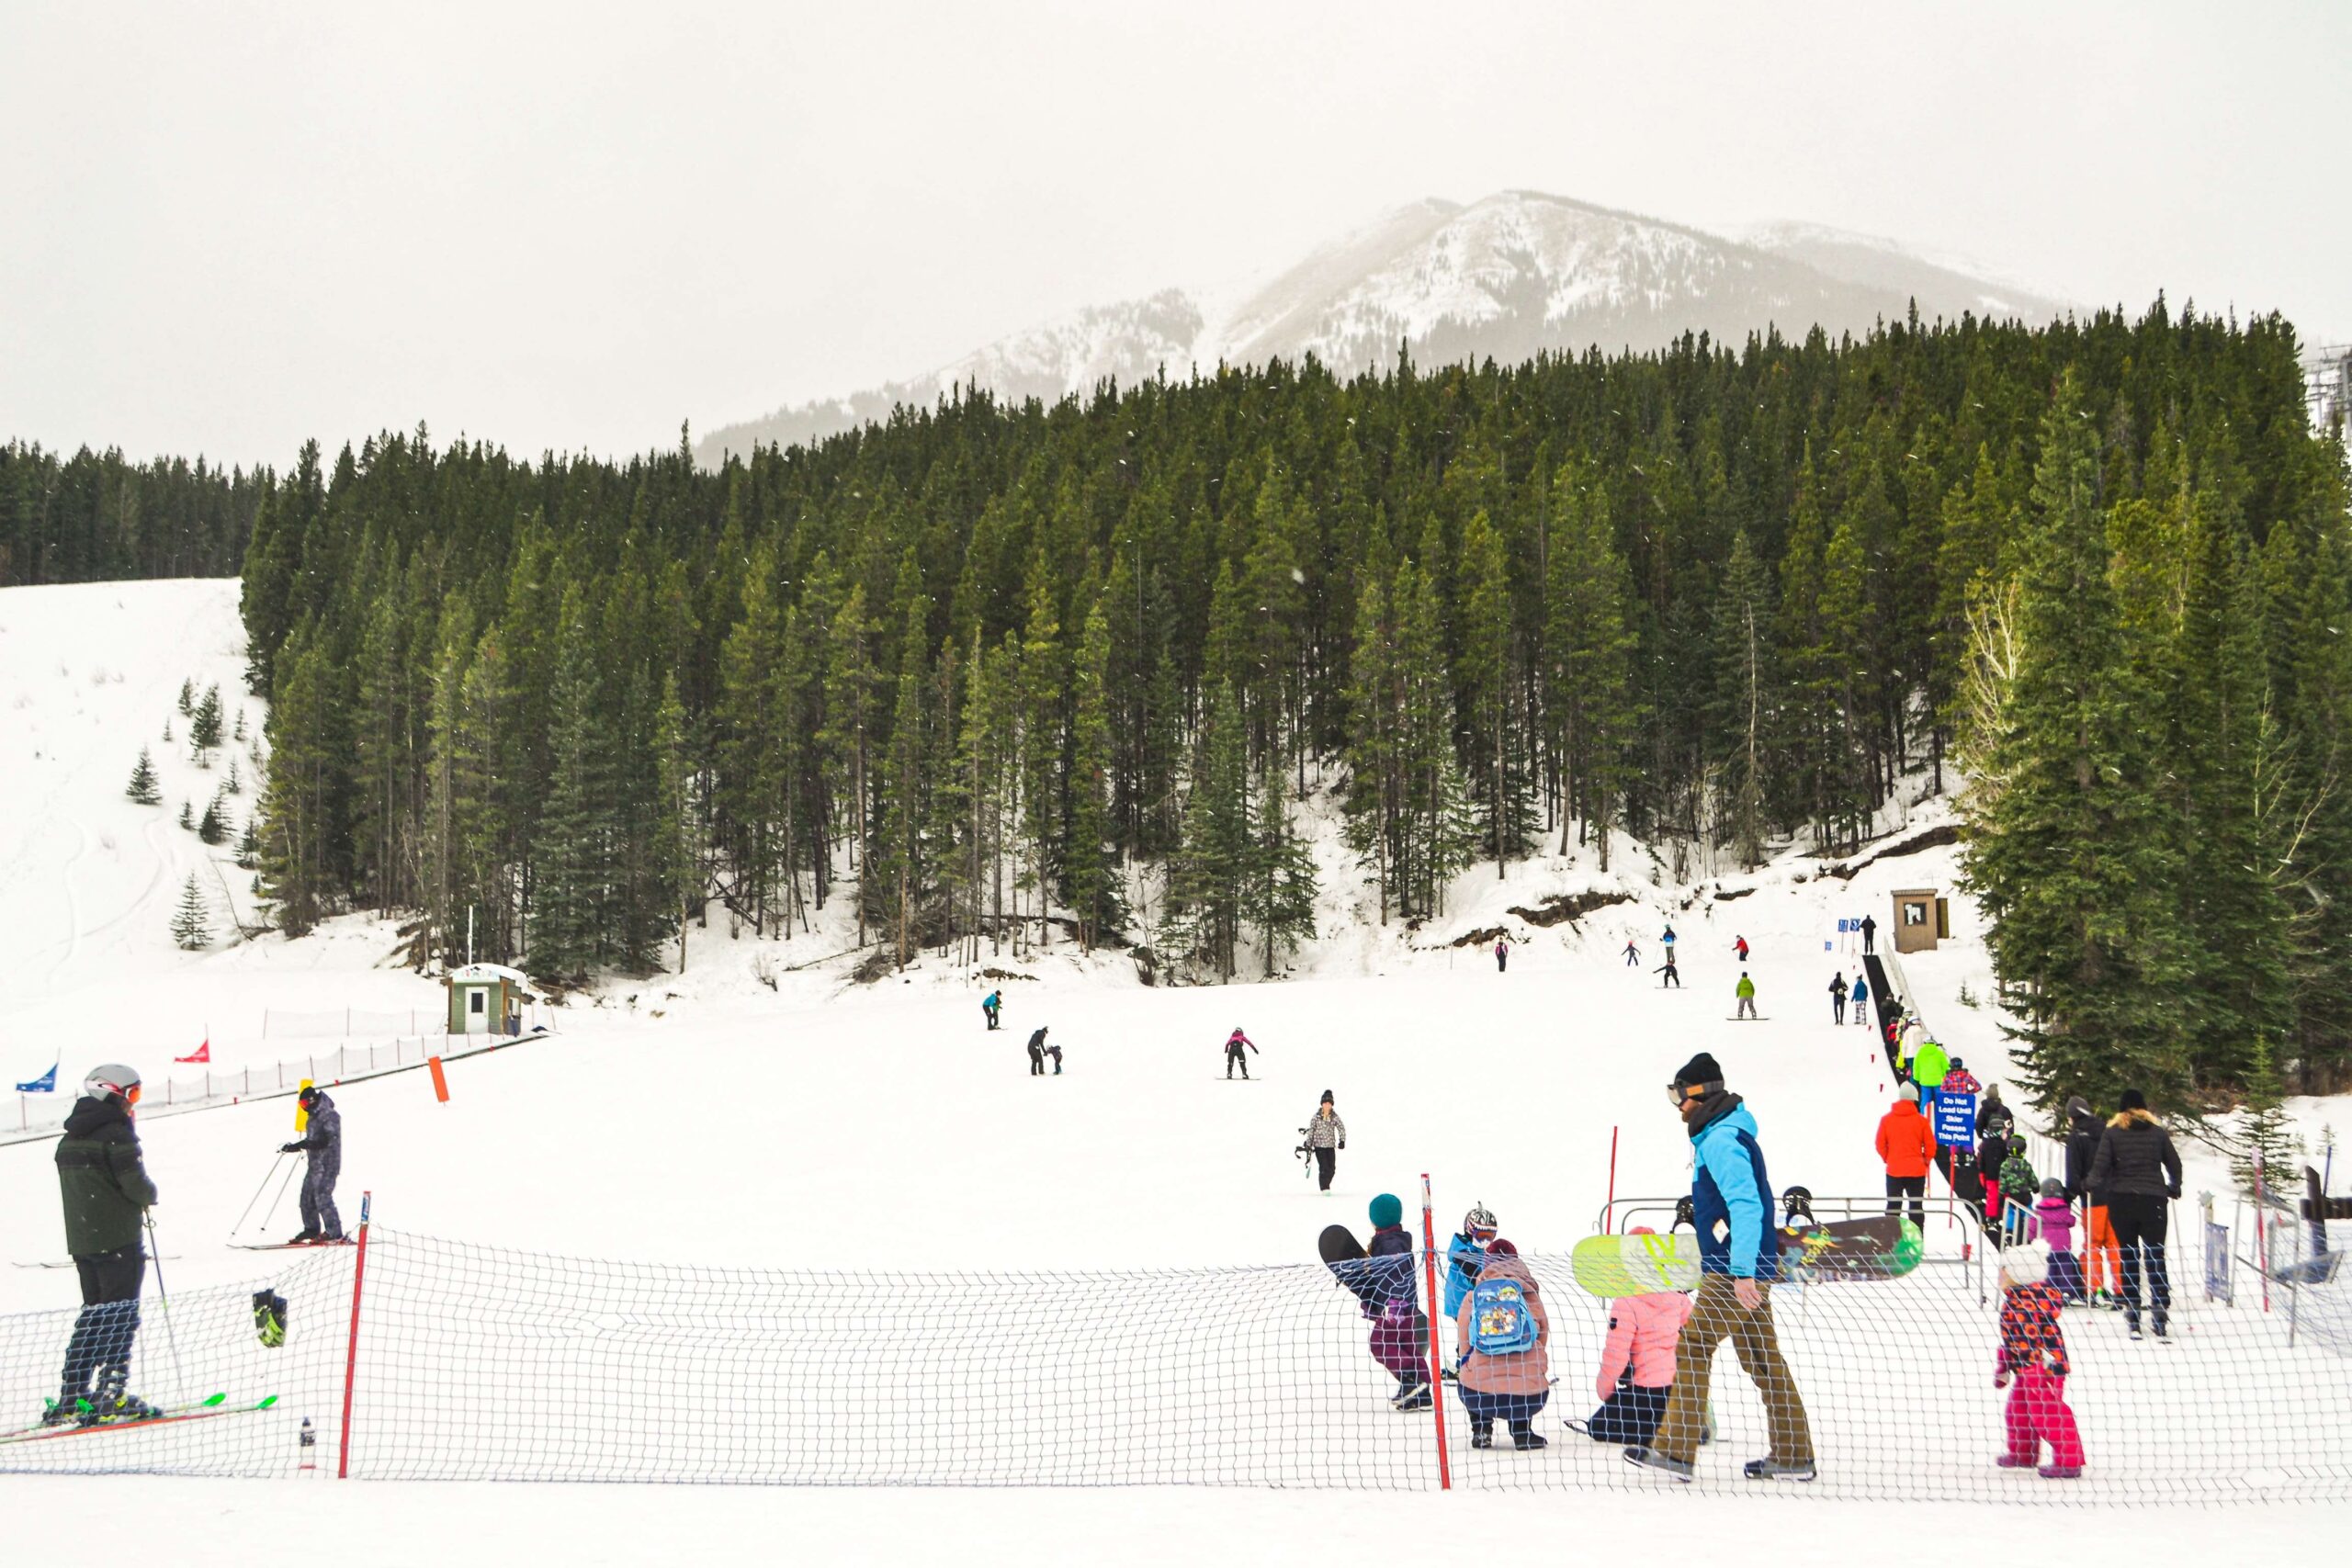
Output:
x=1501 y=1321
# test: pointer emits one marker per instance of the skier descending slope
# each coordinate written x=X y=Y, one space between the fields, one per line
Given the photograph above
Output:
x=105 y=1190
x=321 y=1141
x=1728 y=1186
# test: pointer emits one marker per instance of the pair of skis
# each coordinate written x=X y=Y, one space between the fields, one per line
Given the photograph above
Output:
x=200 y=1410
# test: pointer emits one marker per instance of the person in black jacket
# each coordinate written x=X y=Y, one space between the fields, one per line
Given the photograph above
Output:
x=2139 y=1170
x=1038 y=1054
x=106 y=1191
x=2103 y=1270
x=322 y=1140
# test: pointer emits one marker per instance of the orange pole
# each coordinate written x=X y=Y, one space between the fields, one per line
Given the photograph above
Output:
x=440 y=1081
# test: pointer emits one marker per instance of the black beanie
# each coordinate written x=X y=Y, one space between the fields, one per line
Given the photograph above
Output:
x=2133 y=1101
x=1327 y=1097
x=1699 y=1071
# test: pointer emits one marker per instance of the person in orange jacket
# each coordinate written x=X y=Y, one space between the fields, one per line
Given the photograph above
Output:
x=1906 y=1146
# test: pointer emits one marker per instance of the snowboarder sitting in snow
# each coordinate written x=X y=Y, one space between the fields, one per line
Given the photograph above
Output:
x=1637 y=1365
x=2053 y=1226
x=2033 y=1353
x=991 y=1005
x=1326 y=1134
x=1234 y=1042
x=322 y=1140
x=1502 y=1340
x=104 y=1186
x=1746 y=992
x=1390 y=1296
x=1037 y=1053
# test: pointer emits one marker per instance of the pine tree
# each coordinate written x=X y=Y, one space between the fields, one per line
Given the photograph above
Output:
x=1209 y=874
x=1088 y=860
x=191 y=921
x=249 y=844
x=142 y=788
x=236 y=783
x=214 y=825
x=188 y=817
x=204 y=727
x=906 y=786
x=1489 y=672
x=186 y=701
x=2073 y=859
x=570 y=853
x=850 y=680
x=1589 y=696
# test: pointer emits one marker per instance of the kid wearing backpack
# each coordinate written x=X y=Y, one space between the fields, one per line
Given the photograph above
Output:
x=2033 y=1353
x=2019 y=1188
x=1502 y=1335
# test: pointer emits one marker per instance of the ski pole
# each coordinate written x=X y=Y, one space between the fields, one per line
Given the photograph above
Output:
x=156 y=1251
x=257 y=1192
x=271 y=1212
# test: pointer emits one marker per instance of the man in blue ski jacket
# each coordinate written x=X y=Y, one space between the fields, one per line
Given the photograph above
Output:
x=1739 y=1258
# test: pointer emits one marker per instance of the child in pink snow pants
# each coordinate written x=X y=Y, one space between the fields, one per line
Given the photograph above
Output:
x=2033 y=1365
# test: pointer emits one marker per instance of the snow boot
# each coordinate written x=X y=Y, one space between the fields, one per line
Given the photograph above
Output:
x=1524 y=1437
x=1650 y=1459
x=1415 y=1397
x=2012 y=1462
x=1482 y=1433
x=1776 y=1470
x=2060 y=1472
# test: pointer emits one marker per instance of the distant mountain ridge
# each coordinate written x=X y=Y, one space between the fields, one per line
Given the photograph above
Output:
x=1517 y=272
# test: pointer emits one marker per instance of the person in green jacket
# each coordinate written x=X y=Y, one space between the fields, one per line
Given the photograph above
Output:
x=1746 y=992
x=1928 y=1069
x=105 y=1190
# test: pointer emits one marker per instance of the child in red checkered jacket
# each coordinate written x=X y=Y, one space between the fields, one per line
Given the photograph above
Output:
x=2033 y=1367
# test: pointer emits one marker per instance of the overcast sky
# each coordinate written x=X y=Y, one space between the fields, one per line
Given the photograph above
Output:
x=226 y=228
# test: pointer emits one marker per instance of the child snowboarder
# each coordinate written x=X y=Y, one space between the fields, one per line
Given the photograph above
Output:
x=1502 y=1339
x=991 y=1005
x=1637 y=1366
x=2053 y=1226
x=1326 y=1135
x=1389 y=1294
x=1745 y=991
x=1233 y=1057
x=2033 y=1356
x=1673 y=976
x=1632 y=954
x=1739 y=946
x=1838 y=998
x=2020 y=1189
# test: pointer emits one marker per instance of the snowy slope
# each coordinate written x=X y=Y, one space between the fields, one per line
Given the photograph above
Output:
x=1507 y=276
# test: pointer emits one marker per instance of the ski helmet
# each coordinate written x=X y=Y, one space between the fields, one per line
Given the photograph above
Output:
x=110 y=1078
x=309 y=1095
x=1479 y=1223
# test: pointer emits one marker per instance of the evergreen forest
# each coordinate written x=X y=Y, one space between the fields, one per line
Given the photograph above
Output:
x=98 y=517
x=1013 y=675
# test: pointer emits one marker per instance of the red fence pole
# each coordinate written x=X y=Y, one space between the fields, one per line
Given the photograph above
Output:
x=1437 y=1362
x=351 y=1356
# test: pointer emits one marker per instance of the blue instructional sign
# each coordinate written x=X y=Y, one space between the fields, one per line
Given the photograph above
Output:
x=1955 y=1120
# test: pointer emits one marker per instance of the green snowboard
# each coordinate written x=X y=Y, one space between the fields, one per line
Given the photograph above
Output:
x=1612 y=1265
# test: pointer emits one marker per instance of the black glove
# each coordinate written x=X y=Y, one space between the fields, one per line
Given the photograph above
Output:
x=2173 y=1193
x=290 y=1148
x=1343 y=1146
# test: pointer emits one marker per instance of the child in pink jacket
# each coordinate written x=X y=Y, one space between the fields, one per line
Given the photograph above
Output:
x=1637 y=1365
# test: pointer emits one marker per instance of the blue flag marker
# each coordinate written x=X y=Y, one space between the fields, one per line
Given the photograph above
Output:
x=45 y=1084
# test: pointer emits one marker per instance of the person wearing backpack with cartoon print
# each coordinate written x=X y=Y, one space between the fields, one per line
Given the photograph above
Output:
x=1503 y=1339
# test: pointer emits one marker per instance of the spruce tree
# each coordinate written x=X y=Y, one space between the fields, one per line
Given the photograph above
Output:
x=191 y=921
x=187 y=703
x=1088 y=860
x=213 y=825
x=2074 y=860
x=142 y=788
x=204 y=727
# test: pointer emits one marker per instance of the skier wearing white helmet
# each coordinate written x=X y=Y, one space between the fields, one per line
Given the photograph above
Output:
x=1466 y=1254
x=106 y=1191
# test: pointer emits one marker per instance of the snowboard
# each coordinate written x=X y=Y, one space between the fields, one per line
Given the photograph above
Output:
x=1610 y=1265
x=1760 y=1018
x=1881 y=1247
x=1344 y=1255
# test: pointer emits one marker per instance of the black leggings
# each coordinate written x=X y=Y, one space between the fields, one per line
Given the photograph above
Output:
x=97 y=1358
x=1326 y=1162
x=1914 y=1187
x=2139 y=1221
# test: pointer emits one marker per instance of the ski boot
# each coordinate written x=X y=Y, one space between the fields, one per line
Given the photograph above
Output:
x=302 y=1238
x=118 y=1410
x=63 y=1410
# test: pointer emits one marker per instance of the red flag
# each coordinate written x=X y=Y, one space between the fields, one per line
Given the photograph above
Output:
x=202 y=1054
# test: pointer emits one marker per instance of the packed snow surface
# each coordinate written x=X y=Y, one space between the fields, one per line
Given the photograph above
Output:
x=761 y=1109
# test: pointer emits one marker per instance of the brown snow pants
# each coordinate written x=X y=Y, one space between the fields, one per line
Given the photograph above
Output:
x=1716 y=1316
